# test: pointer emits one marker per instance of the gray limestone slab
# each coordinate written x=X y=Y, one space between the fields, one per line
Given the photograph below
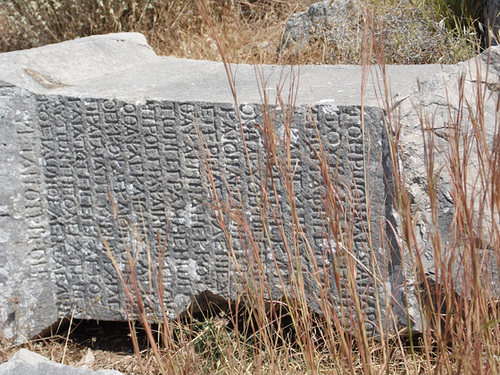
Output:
x=124 y=67
x=101 y=119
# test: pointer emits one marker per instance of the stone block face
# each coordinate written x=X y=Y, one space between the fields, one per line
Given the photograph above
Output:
x=71 y=156
x=148 y=159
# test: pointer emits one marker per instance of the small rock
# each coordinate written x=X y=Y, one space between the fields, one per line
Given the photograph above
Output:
x=87 y=360
x=27 y=362
x=301 y=26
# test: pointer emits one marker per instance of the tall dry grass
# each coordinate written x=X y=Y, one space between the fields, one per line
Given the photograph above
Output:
x=249 y=30
x=260 y=334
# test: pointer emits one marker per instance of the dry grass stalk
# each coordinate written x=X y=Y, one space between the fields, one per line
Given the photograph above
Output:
x=262 y=335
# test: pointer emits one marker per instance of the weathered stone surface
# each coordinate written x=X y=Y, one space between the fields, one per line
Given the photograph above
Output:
x=447 y=104
x=26 y=264
x=75 y=127
x=105 y=70
x=27 y=362
x=452 y=97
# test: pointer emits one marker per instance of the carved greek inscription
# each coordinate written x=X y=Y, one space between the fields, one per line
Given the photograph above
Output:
x=32 y=191
x=185 y=164
x=25 y=252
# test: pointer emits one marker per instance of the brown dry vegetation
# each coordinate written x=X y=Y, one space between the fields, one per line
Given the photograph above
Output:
x=249 y=30
x=298 y=342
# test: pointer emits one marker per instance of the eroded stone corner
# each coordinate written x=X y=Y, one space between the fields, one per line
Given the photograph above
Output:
x=27 y=303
